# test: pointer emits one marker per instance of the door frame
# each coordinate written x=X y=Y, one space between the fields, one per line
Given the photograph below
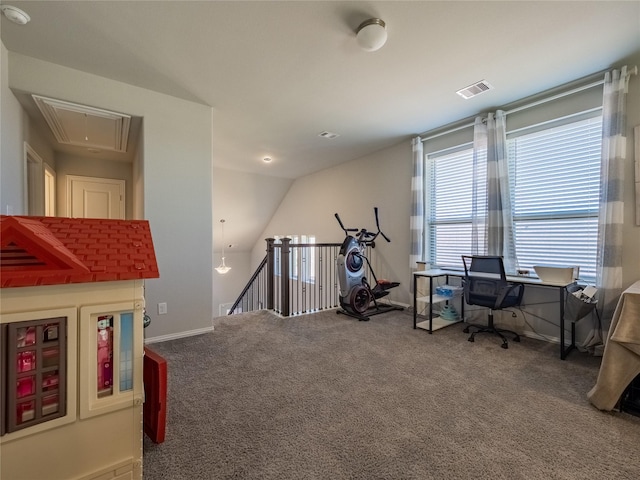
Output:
x=33 y=183
x=50 y=209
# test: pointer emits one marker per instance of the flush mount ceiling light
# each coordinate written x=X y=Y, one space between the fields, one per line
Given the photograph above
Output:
x=15 y=15
x=371 y=35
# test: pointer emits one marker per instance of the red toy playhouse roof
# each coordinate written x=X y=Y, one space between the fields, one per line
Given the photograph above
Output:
x=56 y=250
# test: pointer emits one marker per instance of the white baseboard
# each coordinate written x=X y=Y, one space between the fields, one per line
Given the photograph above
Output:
x=394 y=302
x=173 y=336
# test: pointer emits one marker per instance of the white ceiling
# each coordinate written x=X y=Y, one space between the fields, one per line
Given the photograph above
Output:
x=280 y=73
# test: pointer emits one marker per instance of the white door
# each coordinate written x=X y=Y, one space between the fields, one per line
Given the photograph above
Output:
x=89 y=197
x=49 y=191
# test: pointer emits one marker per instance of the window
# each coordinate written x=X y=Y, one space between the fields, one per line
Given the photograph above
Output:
x=449 y=204
x=555 y=179
x=556 y=187
x=111 y=352
x=302 y=265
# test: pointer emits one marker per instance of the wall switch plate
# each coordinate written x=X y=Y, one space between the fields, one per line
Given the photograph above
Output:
x=162 y=308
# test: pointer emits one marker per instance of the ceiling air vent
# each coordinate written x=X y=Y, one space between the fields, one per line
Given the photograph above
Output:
x=474 y=89
x=328 y=135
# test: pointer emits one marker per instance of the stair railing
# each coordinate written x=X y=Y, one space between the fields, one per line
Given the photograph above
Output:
x=292 y=279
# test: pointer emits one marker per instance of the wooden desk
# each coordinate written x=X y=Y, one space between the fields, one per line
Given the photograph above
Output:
x=526 y=280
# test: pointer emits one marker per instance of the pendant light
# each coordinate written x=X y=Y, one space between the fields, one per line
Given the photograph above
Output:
x=222 y=268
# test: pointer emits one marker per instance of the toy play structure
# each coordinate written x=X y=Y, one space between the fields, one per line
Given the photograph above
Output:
x=358 y=298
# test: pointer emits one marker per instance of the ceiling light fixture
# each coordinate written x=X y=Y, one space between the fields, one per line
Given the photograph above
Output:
x=371 y=35
x=15 y=15
x=329 y=135
x=222 y=268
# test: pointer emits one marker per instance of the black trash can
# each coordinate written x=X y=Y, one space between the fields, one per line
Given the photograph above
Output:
x=630 y=400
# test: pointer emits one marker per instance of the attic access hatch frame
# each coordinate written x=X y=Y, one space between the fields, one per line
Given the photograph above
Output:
x=83 y=126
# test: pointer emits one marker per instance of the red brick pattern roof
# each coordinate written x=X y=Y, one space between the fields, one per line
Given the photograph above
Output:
x=56 y=250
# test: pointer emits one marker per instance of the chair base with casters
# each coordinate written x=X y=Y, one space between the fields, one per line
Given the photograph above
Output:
x=491 y=328
x=485 y=284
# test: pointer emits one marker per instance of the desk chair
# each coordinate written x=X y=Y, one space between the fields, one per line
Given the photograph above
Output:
x=485 y=284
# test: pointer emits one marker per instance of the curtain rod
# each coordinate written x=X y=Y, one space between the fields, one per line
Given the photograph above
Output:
x=631 y=71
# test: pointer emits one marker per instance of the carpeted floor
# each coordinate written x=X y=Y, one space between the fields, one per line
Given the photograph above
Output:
x=324 y=396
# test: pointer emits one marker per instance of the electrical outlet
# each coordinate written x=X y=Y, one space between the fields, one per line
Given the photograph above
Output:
x=162 y=308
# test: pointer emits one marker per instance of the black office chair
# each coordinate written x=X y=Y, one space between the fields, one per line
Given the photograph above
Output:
x=485 y=284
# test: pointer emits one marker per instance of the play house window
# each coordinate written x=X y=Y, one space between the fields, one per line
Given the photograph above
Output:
x=108 y=337
x=35 y=389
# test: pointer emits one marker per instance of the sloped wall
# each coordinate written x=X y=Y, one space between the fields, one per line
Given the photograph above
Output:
x=177 y=181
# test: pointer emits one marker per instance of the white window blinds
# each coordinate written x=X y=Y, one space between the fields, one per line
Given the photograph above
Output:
x=450 y=205
x=556 y=181
x=555 y=176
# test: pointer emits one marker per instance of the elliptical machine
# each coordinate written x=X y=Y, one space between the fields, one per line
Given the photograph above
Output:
x=356 y=293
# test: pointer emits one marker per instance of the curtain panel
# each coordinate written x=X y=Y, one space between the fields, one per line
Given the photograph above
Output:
x=416 y=223
x=492 y=213
x=610 y=219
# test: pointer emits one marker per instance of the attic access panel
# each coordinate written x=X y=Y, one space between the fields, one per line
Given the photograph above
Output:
x=83 y=126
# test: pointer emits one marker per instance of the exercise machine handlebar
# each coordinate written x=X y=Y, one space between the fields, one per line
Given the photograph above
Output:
x=363 y=235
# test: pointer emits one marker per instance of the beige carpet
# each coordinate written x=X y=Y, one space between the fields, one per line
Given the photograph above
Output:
x=324 y=396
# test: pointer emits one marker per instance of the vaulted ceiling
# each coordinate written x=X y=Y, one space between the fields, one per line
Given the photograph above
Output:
x=280 y=73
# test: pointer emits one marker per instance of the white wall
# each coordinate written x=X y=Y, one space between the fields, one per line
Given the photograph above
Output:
x=37 y=142
x=177 y=146
x=352 y=190
x=138 y=178
x=227 y=287
x=11 y=144
x=246 y=202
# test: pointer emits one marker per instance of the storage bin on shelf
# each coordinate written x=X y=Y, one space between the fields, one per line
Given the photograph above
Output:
x=448 y=291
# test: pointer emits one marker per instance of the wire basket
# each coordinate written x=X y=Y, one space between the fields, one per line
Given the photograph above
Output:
x=576 y=308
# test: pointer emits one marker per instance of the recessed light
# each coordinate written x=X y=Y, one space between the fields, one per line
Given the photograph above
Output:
x=328 y=135
x=15 y=15
x=267 y=159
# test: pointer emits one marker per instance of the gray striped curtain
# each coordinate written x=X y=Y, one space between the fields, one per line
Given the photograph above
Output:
x=478 y=176
x=416 y=221
x=610 y=218
x=500 y=237
x=493 y=211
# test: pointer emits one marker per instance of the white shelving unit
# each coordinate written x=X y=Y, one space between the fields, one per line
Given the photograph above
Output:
x=424 y=304
x=437 y=321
